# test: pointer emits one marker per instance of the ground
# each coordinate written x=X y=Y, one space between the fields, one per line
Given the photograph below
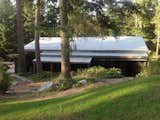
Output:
x=138 y=99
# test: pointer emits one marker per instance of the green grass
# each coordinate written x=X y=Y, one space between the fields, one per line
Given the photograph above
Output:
x=133 y=100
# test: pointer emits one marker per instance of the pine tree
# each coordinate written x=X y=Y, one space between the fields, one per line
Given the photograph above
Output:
x=21 y=67
x=65 y=50
x=37 y=36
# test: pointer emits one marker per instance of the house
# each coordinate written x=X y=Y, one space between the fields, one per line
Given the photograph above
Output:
x=129 y=53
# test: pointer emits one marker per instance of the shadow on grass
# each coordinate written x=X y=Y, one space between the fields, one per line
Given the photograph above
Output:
x=139 y=105
x=100 y=103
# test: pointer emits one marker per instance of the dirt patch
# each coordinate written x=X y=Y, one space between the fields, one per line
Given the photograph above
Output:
x=82 y=89
x=60 y=94
x=23 y=87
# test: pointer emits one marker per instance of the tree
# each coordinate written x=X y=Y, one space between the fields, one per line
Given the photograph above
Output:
x=2 y=38
x=7 y=29
x=156 y=21
x=37 y=36
x=21 y=67
x=28 y=20
x=143 y=18
x=49 y=18
x=65 y=49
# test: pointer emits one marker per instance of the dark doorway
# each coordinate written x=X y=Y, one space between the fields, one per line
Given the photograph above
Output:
x=129 y=68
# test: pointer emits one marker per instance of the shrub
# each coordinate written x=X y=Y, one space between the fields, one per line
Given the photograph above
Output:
x=141 y=74
x=152 y=69
x=99 y=72
x=63 y=84
x=4 y=79
x=114 y=73
x=43 y=76
x=96 y=71
x=3 y=67
x=4 y=83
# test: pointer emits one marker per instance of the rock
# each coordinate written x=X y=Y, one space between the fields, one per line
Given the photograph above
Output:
x=19 y=78
x=83 y=82
x=45 y=86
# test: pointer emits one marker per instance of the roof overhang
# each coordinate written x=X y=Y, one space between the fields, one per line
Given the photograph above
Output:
x=73 y=60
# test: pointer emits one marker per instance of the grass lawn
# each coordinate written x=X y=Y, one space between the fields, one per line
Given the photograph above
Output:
x=133 y=100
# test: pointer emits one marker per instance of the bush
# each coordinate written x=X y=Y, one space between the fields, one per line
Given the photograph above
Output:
x=96 y=71
x=4 y=79
x=152 y=69
x=114 y=73
x=43 y=76
x=99 y=72
x=4 y=83
x=63 y=84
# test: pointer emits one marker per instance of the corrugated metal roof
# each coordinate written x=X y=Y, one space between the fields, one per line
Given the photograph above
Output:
x=123 y=43
x=86 y=48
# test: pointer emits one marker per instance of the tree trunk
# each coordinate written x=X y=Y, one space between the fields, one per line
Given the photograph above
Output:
x=157 y=48
x=21 y=65
x=136 y=23
x=65 y=49
x=37 y=36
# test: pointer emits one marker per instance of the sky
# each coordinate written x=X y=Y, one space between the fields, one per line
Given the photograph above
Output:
x=13 y=1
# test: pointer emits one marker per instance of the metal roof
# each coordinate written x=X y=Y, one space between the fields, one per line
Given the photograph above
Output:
x=83 y=49
x=122 y=43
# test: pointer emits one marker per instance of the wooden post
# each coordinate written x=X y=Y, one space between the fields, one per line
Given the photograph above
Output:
x=51 y=67
x=34 y=67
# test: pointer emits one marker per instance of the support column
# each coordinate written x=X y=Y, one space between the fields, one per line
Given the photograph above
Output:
x=51 y=67
x=34 y=67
